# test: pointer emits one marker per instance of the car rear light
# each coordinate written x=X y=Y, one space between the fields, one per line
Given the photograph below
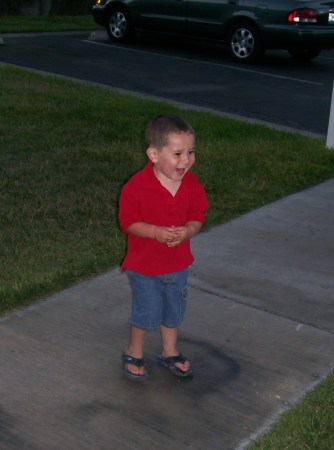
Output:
x=303 y=16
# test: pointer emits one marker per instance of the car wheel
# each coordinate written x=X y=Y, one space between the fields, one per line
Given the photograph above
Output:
x=304 y=54
x=119 y=26
x=244 y=43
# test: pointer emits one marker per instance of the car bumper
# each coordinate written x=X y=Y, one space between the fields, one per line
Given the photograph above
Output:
x=311 y=36
x=99 y=15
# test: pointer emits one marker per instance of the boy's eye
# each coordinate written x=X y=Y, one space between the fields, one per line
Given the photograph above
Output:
x=190 y=152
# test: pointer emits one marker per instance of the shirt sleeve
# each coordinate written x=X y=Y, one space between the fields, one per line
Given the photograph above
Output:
x=199 y=204
x=129 y=211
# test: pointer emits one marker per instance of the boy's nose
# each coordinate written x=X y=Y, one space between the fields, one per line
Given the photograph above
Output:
x=185 y=159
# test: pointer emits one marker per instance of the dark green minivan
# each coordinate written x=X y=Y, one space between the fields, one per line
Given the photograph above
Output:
x=246 y=27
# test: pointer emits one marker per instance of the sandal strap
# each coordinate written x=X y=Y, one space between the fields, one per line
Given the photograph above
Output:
x=170 y=363
x=128 y=359
x=175 y=359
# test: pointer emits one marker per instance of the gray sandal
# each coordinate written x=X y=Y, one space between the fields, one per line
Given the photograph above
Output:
x=138 y=362
x=169 y=363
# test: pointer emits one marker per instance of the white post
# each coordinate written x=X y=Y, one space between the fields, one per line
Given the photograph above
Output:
x=330 y=133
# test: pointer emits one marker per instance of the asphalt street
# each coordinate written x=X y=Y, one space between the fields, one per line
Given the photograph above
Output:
x=278 y=91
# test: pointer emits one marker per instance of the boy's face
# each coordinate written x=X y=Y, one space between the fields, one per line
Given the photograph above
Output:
x=174 y=160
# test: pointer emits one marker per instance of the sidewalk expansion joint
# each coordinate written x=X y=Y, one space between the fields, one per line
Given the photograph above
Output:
x=218 y=293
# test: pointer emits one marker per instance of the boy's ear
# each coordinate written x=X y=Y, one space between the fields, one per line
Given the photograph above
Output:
x=152 y=153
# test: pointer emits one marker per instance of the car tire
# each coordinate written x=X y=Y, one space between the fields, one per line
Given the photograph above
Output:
x=119 y=26
x=304 y=54
x=244 y=43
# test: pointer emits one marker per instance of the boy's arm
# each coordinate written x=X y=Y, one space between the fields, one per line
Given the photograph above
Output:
x=143 y=229
x=146 y=230
x=172 y=236
x=193 y=227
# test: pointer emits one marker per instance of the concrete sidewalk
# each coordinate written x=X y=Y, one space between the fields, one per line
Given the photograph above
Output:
x=259 y=331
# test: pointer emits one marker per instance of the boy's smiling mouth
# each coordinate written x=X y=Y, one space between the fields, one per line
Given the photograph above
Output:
x=180 y=171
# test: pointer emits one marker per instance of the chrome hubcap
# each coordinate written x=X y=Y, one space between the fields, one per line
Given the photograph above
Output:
x=118 y=24
x=242 y=43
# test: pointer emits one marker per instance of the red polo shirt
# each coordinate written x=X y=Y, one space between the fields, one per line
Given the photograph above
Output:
x=144 y=199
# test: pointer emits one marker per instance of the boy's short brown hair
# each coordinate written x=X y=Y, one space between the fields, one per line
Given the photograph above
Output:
x=158 y=129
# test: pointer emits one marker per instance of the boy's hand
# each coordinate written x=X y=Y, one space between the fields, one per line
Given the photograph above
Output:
x=171 y=236
x=174 y=236
x=166 y=235
x=179 y=234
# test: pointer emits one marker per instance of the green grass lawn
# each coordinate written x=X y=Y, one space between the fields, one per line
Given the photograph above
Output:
x=66 y=150
x=19 y=24
x=309 y=425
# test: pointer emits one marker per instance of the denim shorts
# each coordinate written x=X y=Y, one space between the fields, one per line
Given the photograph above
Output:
x=158 y=300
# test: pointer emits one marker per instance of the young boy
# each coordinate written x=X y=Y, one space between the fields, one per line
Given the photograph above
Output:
x=161 y=208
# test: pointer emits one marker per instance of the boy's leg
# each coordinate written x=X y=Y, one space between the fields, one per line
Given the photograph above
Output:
x=169 y=341
x=175 y=299
x=135 y=348
x=144 y=315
